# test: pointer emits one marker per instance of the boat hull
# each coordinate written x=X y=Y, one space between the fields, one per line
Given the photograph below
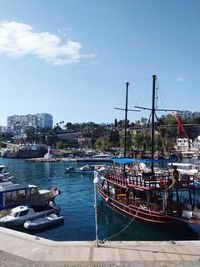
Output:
x=43 y=222
x=15 y=222
x=138 y=213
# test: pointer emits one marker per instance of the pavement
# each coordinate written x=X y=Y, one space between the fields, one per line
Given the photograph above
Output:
x=21 y=249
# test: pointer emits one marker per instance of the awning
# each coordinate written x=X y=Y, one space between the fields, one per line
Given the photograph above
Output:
x=134 y=160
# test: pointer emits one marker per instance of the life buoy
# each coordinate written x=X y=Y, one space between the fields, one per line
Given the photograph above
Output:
x=162 y=181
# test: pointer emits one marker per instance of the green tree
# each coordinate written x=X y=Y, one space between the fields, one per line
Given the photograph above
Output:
x=102 y=144
x=114 y=138
x=60 y=145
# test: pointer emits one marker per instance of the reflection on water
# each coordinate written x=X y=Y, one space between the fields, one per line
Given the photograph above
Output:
x=111 y=222
x=77 y=206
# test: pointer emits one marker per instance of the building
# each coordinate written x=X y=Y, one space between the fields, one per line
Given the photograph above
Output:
x=183 y=144
x=187 y=114
x=43 y=120
x=4 y=129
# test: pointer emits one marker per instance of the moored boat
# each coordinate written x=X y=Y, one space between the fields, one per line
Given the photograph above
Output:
x=12 y=195
x=6 y=176
x=20 y=214
x=148 y=196
x=83 y=169
x=43 y=222
x=2 y=167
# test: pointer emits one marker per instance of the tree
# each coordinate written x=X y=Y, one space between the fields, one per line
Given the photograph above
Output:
x=115 y=123
x=142 y=141
x=68 y=126
x=144 y=120
x=60 y=145
x=114 y=138
x=102 y=144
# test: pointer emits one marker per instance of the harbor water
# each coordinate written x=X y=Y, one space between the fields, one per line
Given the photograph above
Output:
x=77 y=206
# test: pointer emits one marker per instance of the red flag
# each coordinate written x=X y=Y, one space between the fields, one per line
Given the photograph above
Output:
x=180 y=127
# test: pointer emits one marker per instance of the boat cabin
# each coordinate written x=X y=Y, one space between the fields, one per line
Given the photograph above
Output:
x=12 y=195
x=21 y=211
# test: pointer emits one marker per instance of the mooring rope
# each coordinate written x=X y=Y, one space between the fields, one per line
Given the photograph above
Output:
x=110 y=237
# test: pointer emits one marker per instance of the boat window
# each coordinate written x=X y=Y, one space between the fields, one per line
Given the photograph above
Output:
x=22 y=191
x=14 y=214
x=140 y=194
x=24 y=212
x=8 y=198
x=33 y=191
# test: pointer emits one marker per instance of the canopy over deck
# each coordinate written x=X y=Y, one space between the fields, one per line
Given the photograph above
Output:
x=134 y=160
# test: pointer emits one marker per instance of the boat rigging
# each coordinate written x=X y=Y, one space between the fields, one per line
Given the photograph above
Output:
x=142 y=193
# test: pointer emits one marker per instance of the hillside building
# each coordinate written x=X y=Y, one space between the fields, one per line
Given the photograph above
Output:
x=43 y=120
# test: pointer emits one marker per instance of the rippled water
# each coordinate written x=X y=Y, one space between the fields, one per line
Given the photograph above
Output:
x=77 y=206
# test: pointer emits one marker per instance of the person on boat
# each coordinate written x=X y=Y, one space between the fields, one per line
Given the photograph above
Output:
x=162 y=182
x=175 y=178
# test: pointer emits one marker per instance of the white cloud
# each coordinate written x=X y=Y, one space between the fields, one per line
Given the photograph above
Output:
x=18 y=39
x=180 y=79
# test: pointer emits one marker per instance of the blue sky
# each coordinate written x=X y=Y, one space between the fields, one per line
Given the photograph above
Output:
x=72 y=58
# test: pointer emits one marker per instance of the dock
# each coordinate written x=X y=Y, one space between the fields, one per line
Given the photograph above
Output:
x=21 y=249
x=40 y=160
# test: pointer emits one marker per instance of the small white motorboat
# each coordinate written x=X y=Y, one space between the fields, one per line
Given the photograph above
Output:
x=43 y=222
x=19 y=215
x=5 y=176
x=2 y=167
x=85 y=169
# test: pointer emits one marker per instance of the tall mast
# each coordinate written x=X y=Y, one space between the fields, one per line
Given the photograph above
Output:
x=153 y=110
x=126 y=109
x=153 y=122
x=125 y=128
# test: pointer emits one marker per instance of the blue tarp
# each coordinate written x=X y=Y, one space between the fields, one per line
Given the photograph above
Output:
x=133 y=160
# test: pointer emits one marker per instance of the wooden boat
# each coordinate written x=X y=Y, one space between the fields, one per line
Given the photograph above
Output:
x=43 y=221
x=145 y=196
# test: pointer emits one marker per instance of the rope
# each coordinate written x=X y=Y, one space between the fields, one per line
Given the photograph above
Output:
x=110 y=237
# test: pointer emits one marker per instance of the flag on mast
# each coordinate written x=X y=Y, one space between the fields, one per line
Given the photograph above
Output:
x=180 y=127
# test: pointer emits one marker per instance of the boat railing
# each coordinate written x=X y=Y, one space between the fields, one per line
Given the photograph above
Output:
x=187 y=201
x=148 y=180
x=118 y=178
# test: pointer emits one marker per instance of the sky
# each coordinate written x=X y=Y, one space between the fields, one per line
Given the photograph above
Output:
x=72 y=58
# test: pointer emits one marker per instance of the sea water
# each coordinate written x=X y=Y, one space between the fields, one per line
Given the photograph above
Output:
x=77 y=206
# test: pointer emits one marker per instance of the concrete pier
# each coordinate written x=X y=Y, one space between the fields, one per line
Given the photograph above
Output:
x=20 y=249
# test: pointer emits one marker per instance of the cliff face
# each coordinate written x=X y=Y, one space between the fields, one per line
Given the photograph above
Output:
x=25 y=153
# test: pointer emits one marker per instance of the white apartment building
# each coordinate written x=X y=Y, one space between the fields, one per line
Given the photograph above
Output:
x=43 y=120
x=187 y=114
x=183 y=144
